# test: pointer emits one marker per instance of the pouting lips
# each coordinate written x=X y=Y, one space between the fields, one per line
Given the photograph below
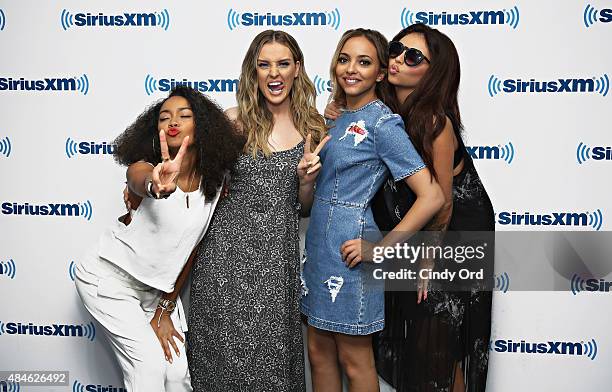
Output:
x=173 y=131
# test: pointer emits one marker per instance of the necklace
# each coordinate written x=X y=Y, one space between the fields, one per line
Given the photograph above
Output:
x=188 y=189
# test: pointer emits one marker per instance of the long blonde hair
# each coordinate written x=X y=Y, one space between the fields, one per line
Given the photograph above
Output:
x=253 y=114
x=383 y=89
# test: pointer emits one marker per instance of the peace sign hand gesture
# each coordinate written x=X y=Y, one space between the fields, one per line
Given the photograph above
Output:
x=309 y=165
x=166 y=172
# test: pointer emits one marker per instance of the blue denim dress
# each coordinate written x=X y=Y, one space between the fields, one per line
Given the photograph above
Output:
x=365 y=146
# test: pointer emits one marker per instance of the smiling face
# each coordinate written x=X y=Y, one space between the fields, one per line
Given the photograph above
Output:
x=176 y=119
x=406 y=78
x=276 y=71
x=357 y=71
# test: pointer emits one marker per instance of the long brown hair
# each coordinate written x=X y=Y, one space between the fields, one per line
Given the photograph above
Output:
x=383 y=88
x=435 y=97
x=253 y=114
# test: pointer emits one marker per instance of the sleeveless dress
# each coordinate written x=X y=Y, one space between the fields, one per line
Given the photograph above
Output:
x=245 y=330
x=420 y=344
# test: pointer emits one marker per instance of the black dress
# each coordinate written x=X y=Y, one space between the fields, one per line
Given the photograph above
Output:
x=420 y=345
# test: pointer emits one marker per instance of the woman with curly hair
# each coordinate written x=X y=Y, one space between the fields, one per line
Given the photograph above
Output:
x=179 y=150
x=245 y=330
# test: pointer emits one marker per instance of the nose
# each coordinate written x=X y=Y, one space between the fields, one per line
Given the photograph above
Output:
x=352 y=67
x=400 y=59
x=173 y=121
x=274 y=70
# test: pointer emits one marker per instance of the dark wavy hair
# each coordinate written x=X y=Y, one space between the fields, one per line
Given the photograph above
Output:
x=435 y=97
x=216 y=142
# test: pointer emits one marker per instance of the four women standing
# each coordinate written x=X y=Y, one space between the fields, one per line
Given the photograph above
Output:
x=245 y=329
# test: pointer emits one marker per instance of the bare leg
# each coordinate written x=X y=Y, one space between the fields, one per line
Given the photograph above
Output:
x=323 y=358
x=459 y=384
x=357 y=361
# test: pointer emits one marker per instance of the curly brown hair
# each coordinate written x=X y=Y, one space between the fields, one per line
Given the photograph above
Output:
x=216 y=140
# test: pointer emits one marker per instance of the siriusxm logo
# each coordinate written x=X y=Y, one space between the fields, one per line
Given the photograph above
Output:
x=322 y=85
x=9 y=386
x=2 y=20
x=208 y=85
x=71 y=268
x=502 y=282
x=578 y=284
x=8 y=268
x=87 y=331
x=592 y=15
x=588 y=349
x=57 y=209
x=592 y=219
x=596 y=153
x=79 y=84
x=79 y=387
x=5 y=146
x=505 y=152
x=88 y=148
x=508 y=17
x=596 y=85
x=126 y=19
x=248 y=19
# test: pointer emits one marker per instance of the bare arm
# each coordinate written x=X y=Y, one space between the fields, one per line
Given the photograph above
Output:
x=443 y=154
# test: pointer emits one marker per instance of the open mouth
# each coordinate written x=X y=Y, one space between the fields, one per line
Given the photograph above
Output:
x=276 y=87
x=351 y=81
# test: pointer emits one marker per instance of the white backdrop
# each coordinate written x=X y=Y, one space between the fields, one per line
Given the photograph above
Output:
x=67 y=83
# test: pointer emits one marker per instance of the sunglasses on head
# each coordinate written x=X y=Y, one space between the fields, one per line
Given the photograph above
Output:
x=412 y=56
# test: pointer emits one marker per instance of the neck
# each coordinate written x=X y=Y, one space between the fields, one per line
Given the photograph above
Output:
x=402 y=93
x=188 y=163
x=281 y=110
x=357 y=101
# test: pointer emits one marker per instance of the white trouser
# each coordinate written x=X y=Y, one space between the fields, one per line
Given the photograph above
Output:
x=124 y=307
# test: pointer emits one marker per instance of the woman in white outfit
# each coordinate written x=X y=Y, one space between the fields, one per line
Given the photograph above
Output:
x=131 y=280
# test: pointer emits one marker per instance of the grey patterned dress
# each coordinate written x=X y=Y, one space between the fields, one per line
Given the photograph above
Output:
x=244 y=326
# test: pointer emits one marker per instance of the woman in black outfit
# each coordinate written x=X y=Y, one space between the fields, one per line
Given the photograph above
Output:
x=435 y=339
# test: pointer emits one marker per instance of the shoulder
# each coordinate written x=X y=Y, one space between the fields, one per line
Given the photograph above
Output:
x=446 y=136
x=232 y=113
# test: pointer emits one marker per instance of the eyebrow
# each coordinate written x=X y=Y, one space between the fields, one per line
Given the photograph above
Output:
x=361 y=56
x=287 y=59
x=168 y=111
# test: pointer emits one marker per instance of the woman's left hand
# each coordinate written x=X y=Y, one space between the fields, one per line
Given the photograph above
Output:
x=309 y=165
x=355 y=251
x=166 y=333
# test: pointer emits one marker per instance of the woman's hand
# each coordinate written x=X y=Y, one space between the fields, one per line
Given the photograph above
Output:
x=166 y=333
x=165 y=174
x=355 y=251
x=309 y=165
x=423 y=282
x=332 y=110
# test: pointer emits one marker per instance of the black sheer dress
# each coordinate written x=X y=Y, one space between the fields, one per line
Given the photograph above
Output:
x=421 y=344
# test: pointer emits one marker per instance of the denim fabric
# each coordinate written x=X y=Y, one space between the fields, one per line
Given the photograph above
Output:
x=366 y=146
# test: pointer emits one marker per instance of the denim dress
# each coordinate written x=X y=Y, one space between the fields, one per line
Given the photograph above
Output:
x=366 y=146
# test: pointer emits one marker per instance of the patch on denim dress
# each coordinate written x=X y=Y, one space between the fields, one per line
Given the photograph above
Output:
x=334 y=284
x=358 y=130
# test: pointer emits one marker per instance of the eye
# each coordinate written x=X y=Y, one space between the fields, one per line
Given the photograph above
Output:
x=342 y=60
x=365 y=63
x=164 y=119
x=263 y=65
x=284 y=64
x=186 y=116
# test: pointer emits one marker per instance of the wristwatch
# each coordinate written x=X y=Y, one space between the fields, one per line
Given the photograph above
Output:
x=167 y=304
